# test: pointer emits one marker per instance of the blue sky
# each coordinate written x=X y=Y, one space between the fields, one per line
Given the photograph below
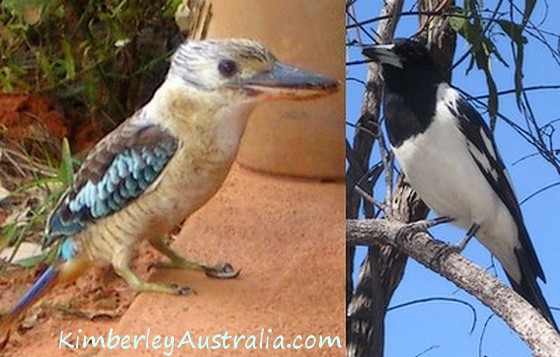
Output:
x=442 y=328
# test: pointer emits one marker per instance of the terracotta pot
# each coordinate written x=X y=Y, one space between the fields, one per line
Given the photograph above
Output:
x=306 y=138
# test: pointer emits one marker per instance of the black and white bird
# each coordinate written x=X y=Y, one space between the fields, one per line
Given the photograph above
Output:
x=448 y=154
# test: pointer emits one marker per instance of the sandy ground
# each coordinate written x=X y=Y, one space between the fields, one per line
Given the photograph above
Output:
x=287 y=236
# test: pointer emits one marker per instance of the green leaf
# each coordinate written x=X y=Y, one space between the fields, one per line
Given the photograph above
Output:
x=5 y=80
x=24 y=254
x=518 y=76
x=66 y=164
x=68 y=63
x=492 y=98
x=45 y=66
x=31 y=261
x=18 y=4
x=170 y=8
x=35 y=183
x=9 y=232
x=458 y=22
x=514 y=31
x=30 y=11
x=529 y=7
x=468 y=23
x=53 y=252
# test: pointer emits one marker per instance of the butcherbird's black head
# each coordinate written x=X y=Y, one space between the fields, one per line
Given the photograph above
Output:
x=411 y=85
x=404 y=60
x=400 y=53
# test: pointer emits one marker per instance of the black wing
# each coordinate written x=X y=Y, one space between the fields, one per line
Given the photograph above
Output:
x=485 y=153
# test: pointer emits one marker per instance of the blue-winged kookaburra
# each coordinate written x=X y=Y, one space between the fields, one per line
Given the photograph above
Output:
x=165 y=162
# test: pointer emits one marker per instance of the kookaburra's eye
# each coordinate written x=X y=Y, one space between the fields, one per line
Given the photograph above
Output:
x=227 y=68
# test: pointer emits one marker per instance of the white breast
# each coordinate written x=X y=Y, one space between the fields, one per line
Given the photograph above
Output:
x=232 y=121
x=440 y=168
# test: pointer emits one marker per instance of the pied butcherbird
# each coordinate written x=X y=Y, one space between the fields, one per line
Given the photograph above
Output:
x=450 y=158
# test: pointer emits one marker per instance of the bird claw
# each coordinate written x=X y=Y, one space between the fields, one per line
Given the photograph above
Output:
x=453 y=248
x=218 y=271
x=443 y=252
x=426 y=224
x=163 y=265
x=412 y=228
x=221 y=271
x=183 y=290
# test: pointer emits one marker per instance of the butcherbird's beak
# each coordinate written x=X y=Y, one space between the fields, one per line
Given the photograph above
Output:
x=283 y=81
x=383 y=54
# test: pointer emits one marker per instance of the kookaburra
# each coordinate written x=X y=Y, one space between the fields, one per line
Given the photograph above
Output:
x=165 y=162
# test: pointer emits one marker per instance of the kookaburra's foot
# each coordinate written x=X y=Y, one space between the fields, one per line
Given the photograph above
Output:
x=142 y=286
x=172 y=289
x=218 y=271
x=221 y=271
x=120 y=263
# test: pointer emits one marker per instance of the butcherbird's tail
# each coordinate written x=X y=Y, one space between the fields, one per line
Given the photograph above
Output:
x=529 y=289
x=59 y=272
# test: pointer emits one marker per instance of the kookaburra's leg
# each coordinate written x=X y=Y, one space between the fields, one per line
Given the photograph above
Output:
x=121 y=262
x=220 y=270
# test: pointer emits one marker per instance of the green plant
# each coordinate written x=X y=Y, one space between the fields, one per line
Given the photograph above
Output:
x=38 y=197
x=106 y=56
x=101 y=59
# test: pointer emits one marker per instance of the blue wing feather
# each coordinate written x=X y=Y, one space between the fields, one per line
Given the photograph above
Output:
x=119 y=169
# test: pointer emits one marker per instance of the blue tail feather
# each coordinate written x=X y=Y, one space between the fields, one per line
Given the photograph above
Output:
x=40 y=287
x=45 y=281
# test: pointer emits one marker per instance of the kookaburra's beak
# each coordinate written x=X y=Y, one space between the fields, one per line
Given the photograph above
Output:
x=286 y=82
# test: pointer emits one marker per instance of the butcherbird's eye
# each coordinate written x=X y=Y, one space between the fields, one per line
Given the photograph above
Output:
x=227 y=68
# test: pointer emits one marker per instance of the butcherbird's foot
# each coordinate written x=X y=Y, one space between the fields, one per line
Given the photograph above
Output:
x=426 y=224
x=423 y=225
x=429 y=223
x=459 y=247
x=462 y=244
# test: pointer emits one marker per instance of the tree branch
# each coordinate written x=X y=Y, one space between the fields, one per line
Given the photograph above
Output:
x=366 y=306
x=436 y=256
